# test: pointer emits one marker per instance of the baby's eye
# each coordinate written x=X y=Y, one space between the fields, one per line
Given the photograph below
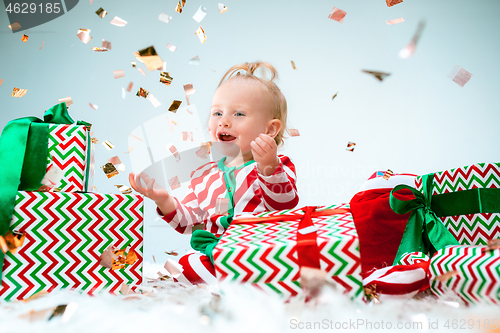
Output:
x=217 y=113
x=239 y=114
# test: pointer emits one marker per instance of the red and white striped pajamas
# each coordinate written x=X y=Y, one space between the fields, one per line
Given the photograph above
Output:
x=250 y=191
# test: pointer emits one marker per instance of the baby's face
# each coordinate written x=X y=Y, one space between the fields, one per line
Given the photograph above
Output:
x=241 y=110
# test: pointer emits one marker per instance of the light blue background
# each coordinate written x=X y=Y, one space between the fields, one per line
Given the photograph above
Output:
x=416 y=121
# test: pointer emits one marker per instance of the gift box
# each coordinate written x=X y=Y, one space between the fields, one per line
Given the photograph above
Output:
x=65 y=236
x=476 y=278
x=467 y=201
x=270 y=254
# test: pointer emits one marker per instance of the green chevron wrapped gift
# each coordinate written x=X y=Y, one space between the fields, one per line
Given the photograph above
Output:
x=269 y=249
x=467 y=201
x=66 y=235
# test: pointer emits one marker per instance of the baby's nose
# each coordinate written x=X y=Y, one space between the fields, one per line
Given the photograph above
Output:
x=224 y=122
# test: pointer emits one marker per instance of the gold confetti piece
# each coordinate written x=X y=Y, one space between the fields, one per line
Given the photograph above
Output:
x=194 y=61
x=174 y=152
x=117 y=259
x=130 y=85
x=24 y=38
x=174 y=106
x=350 y=146
x=164 y=17
x=15 y=26
x=337 y=14
x=187 y=136
x=221 y=206
x=149 y=57
x=43 y=43
x=66 y=100
x=387 y=174
x=172 y=253
x=221 y=8
x=94 y=140
x=129 y=150
x=114 y=160
x=153 y=100
x=11 y=241
x=110 y=170
x=293 y=64
x=118 y=22
x=142 y=93
x=460 y=76
x=395 y=21
x=335 y=95
x=108 y=145
x=371 y=293
x=133 y=64
x=446 y=276
x=178 y=8
x=174 y=183
x=409 y=49
x=174 y=122
x=294 y=132
x=84 y=35
x=171 y=47
x=173 y=268
x=1 y=81
x=378 y=75
x=119 y=73
x=391 y=3
x=124 y=189
x=99 y=49
x=200 y=14
x=18 y=92
x=101 y=12
x=201 y=34
x=106 y=45
x=136 y=137
x=165 y=78
x=188 y=88
x=141 y=70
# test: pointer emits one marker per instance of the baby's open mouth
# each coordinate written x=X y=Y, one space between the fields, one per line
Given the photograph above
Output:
x=226 y=137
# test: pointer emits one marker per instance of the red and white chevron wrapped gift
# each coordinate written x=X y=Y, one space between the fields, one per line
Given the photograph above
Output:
x=270 y=254
x=65 y=236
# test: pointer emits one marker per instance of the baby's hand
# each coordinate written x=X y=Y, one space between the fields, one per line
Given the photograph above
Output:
x=264 y=151
x=160 y=196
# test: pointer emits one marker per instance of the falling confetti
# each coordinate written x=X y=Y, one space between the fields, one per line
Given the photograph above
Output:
x=11 y=241
x=409 y=49
x=194 y=61
x=179 y=6
x=174 y=152
x=165 y=78
x=141 y=71
x=188 y=88
x=123 y=93
x=118 y=22
x=142 y=93
x=221 y=8
x=170 y=125
x=124 y=189
x=93 y=106
x=84 y=35
x=294 y=132
x=106 y=45
x=164 y=17
x=110 y=170
x=115 y=160
x=66 y=100
x=24 y=38
x=221 y=206
x=387 y=174
x=101 y=12
x=200 y=14
x=174 y=106
x=99 y=49
x=378 y=75
x=174 y=183
x=129 y=150
x=133 y=64
x=333 y=97
x=153 y=100
x=350 y=146
x=137 y=138
x=173 y=268
x=460 y=76
x=395 y=21
x=1 y=81
x=117 y=259
x=171 y=47
x=337 y=15
x=130 y=85
x=201 y=34
x=15 y=26
x=18 y=92
x=391 y=3
x=119 y=73
x=187 y=136
x=172 y=253
x=293 y=64
x=149 y=57
x=43 y=43
x=108 y=145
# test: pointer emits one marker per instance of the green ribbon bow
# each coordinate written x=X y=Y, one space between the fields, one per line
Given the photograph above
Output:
x=25 y=137
x=424 y=231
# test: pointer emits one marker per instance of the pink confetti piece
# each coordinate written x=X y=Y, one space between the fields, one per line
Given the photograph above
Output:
x=174 y=183
x=106 y=45
x=43 y=43
x=187 y=136
x=294 y=132
x=171 y=47
x=395 y=21
x=153 y=100
x=174 y=152
x=170 y=125
x=137 y=138
x=93 y=106
x=460 y=76
x=118 y=22
x=221 y=206
x=1 y=81
x=188 y=88
x=141 y=70
x=173 y=268
x=115 y=160
x=130 y=85
x=84 y=35
x=119 y=73
x=66 y=100
x=391 y=3
x=221 y=8
x=337 y=14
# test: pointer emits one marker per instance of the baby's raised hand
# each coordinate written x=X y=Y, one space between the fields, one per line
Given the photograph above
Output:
x=264 y=151
x=160 y=196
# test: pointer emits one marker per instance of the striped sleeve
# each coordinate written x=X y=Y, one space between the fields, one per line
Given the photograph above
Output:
x=279 y=190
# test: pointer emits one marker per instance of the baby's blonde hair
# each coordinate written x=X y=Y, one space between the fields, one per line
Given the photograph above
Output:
x=279 y=108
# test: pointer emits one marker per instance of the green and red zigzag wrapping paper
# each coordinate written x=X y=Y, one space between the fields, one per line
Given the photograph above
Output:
x=65 y=235
x=265 y=255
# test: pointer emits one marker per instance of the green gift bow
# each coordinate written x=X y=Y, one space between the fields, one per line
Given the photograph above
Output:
x=424 y=230
x=16 y=172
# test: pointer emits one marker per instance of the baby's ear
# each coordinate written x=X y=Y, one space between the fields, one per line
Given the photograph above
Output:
x=273 y=127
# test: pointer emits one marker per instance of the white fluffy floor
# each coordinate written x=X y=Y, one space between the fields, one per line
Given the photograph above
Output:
x=174 y=308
